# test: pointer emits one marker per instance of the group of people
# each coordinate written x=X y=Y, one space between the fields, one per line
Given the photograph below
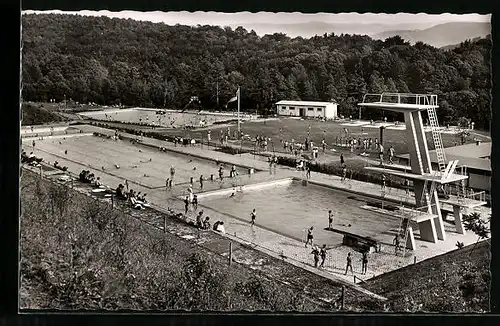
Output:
x=321 y=253
x=190 y=200
x=273 y=162
x=357 y=143
x=136 y=199
x=30 y=159
x=60 y=167
x=364 y=263
x=299 y=148
x=86 y=176
x=262 y=142
x=204 y=224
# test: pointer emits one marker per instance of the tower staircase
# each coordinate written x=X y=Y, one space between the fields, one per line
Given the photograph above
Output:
x=436 y=137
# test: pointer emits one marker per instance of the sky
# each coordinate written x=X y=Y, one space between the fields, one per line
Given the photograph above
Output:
x=250 y=20
x=218 y=18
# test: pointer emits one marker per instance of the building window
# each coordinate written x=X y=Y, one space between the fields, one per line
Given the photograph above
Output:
x=320 y=109
x=310 y=109
x=291 y=108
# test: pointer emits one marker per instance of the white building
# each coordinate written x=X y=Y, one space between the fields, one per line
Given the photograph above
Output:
x=327 y=110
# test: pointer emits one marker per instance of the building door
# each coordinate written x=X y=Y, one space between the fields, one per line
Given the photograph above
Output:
x=302 y=112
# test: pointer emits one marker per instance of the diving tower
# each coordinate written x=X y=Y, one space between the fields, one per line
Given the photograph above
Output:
x=425 y=180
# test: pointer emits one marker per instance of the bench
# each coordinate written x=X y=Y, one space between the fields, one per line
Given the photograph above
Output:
x=360 y=243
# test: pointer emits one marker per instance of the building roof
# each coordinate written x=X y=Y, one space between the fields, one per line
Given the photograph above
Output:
x=469 y=155
x=304 y=103
x=471 y=150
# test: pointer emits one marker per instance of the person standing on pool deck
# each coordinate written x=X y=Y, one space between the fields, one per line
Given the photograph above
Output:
x=383 y=182
x=186 y=205
x=349 y=264
x=342 y=159
x=391 y=155
x=330 y=219
x=322 y=253
x=221 y=173
x=167 y=183
x=396 y=243
x=126 y=184
x=310 y=236
x=316 y=254
x=201 y=182
x=308 y=172
x=344 y=173
x=172 y=172
x=195 y=202
x=253 y=215
x=170 y=184
x=364 y=262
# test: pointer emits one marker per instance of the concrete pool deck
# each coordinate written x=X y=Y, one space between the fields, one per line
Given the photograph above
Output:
x=260 y=237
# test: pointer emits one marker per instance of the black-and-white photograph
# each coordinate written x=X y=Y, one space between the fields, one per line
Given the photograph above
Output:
x=267 y=161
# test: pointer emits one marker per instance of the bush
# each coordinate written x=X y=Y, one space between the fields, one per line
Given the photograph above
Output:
x=231 y=150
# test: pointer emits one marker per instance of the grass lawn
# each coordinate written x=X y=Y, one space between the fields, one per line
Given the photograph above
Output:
x=288 y=129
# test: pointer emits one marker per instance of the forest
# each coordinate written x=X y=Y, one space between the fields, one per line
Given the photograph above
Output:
x=135 y=63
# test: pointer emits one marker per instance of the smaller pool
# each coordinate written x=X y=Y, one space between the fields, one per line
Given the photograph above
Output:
x=290 y=208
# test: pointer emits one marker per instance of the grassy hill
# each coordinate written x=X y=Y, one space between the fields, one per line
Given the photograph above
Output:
x=38 y=114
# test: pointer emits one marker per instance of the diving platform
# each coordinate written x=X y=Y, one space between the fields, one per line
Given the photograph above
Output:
x=459 y=203
x=400 y=102
x=425 y=179
x=467 y=203
x=429 y=177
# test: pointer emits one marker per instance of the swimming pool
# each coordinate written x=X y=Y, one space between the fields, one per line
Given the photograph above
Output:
x=135 y=161
x=291 y=208
x=150 y=116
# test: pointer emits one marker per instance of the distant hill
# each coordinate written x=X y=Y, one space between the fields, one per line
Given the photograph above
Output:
x=313 y=28
x=453 y=46
x=442 y=34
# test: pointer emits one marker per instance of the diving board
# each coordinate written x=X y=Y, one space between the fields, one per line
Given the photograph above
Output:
x=419 y=177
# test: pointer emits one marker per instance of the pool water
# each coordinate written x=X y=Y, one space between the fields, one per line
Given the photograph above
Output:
x=292 y=208
x=149 y=116
x=134 y=160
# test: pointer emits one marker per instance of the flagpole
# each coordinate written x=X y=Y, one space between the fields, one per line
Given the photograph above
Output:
x=238 y=111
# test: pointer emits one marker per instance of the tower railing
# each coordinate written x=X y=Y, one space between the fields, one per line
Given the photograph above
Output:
x=401 y=98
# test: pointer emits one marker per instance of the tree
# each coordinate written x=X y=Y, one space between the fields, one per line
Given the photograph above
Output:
x=463 y=129
x=116 y=60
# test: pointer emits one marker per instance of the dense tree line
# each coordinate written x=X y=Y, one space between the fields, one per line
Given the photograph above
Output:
x=111 y=61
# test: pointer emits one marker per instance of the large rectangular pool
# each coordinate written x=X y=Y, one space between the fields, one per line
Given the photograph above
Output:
x=135 y=161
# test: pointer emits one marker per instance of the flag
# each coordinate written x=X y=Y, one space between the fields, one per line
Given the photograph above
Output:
x=234 y=98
